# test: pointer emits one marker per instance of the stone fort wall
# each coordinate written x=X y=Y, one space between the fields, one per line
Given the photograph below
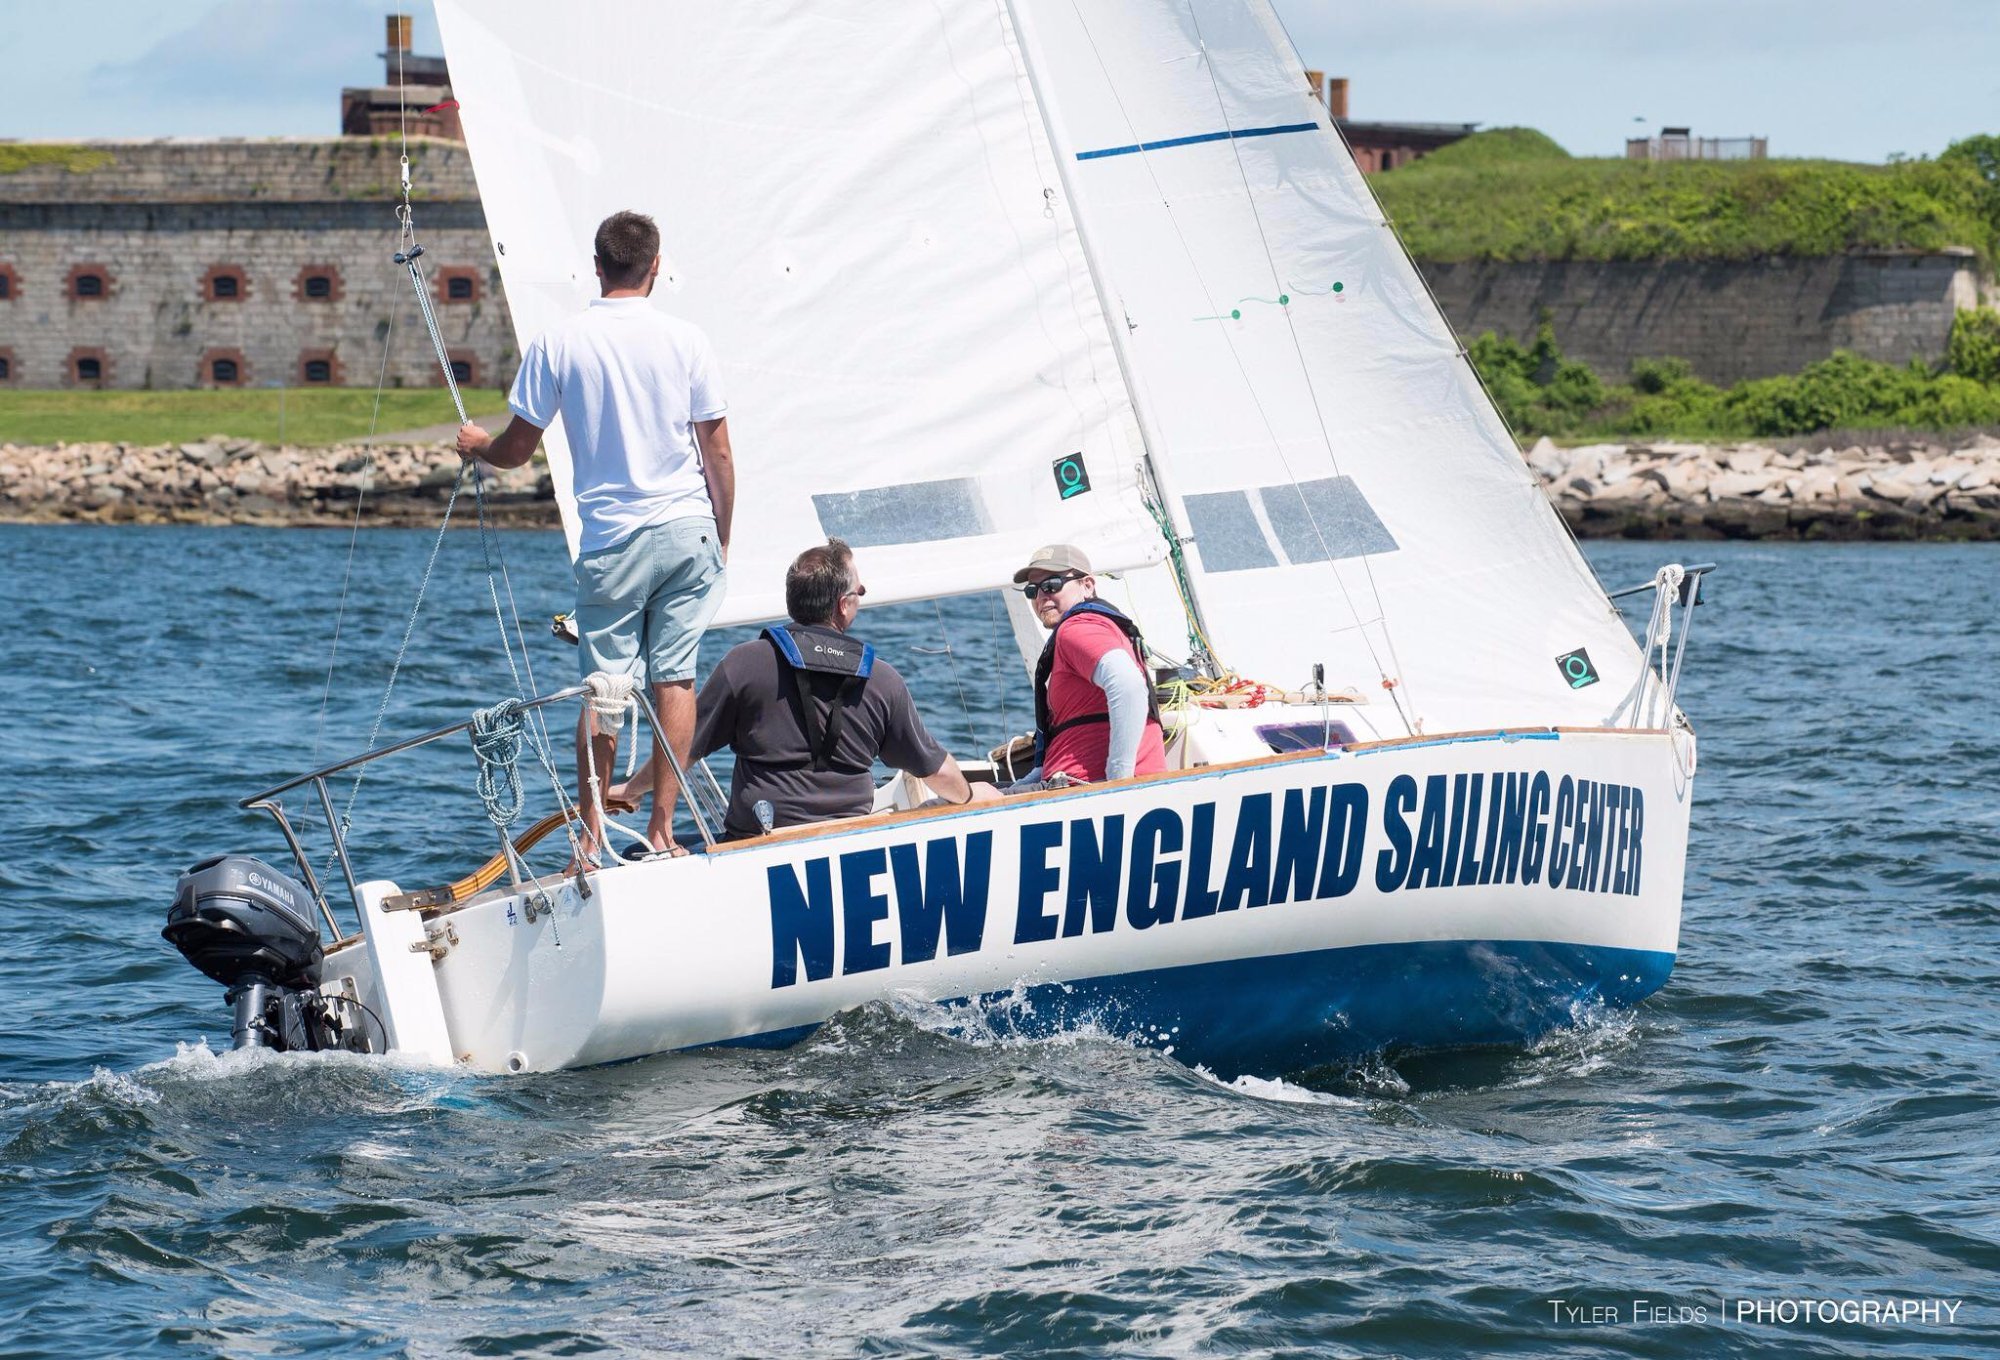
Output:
x=306 y=229
x=242 y=263
x=1731 y=320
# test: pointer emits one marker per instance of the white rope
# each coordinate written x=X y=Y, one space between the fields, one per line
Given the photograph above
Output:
x=612 y=699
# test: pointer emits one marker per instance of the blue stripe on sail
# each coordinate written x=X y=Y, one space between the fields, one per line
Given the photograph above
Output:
x=1228 y=136
x=1288 y=1012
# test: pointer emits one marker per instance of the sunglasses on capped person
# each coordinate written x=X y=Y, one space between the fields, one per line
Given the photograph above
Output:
x=1050 y=585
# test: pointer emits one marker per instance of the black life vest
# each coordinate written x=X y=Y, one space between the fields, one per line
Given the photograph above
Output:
x=1045 y=729
x=804 y=648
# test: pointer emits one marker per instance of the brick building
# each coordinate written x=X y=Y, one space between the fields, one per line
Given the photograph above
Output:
x=1379 y=146
x=252 y=262
x=173 y=264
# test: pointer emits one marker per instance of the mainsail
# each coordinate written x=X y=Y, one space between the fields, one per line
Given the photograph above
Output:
x=955 y=257
x=856 y=203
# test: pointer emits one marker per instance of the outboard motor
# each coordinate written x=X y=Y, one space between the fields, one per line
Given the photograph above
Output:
x=251 y=929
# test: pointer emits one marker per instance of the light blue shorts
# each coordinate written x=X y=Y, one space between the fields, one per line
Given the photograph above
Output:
x=642 y=604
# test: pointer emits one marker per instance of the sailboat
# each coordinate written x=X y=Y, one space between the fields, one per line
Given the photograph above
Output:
x=985 y=276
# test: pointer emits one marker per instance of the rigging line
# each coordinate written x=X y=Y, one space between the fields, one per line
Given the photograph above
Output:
x=1305 y=371
x=490 y=550
x=1145 y=158
x=1000 y=659
x=951 y=655
x=354 y=533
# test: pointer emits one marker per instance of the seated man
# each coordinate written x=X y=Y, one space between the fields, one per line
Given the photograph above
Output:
x=808 y=709
x=1095 y=714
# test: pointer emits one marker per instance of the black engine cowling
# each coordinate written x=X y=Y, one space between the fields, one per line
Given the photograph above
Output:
x=234 y=917
x=251 y=929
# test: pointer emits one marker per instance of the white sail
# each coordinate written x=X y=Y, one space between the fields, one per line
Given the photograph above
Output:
x=857 y=203
x=1353 y=497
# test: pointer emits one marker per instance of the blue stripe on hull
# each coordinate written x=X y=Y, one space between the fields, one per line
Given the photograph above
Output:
x=1268 y=1016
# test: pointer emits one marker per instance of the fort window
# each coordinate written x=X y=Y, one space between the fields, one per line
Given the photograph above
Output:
x=6 y=367
x=461 y=371
x=319 y=368
x=87 y=367
x=456 y=283
x=88 y=282
x=318 y=283
x=223 y=368
x=225 y=283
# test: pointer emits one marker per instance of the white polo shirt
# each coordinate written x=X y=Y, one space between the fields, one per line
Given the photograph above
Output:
x=629 y=383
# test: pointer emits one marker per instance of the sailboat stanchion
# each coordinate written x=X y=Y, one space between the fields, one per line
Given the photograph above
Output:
x=660 y=738
x=299 y=857
x=340 y=847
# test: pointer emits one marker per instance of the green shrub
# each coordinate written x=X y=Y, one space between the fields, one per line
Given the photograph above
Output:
x=1542 y=393
x=1973 y=351
x=1511 y=194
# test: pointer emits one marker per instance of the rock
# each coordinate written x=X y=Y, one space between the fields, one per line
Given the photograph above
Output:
x=1579 y=488
x=203 y=453
x=1737 y=485
x=1749 y=459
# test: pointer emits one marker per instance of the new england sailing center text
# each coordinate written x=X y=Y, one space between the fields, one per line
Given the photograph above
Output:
x=1151 y=869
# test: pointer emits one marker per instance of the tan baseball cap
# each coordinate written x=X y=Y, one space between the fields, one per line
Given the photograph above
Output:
x=1056 y=557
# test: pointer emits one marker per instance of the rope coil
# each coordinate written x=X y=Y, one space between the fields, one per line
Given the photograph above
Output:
x=496 y=744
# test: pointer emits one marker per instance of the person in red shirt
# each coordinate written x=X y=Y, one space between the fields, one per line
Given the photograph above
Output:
x=1095 y=715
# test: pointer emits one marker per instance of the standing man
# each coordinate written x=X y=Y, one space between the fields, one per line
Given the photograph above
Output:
x=641 y=403
x=1095 y=715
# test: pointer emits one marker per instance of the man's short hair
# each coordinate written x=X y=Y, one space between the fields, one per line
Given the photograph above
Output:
x=816 y=581
x=627 y=244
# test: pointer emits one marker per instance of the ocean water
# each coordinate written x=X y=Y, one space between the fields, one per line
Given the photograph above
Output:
x=1801 y=1131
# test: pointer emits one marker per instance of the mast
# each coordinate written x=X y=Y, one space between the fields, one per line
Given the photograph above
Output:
x=1158 y=484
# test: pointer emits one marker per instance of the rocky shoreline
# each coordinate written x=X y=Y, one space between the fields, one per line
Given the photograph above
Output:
x=220 y=480
x=1900 y=488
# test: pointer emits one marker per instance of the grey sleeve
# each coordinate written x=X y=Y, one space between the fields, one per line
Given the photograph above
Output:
x=906 y=743
x=1117 y=674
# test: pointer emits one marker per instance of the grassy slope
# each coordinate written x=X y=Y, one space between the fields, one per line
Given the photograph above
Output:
x=1512 y=194
x=311 y=415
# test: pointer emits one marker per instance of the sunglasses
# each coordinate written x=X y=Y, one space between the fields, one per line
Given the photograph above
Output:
x=855 y=593
x=1050 y=586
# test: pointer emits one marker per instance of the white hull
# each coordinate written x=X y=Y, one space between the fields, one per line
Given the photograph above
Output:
x=1148 y=907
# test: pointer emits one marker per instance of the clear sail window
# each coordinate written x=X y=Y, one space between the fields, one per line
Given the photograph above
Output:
x=1328 y=517
x=1226 y=532
x=916 y=512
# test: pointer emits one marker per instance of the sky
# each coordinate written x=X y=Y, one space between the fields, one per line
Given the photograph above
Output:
x=1848 y=79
